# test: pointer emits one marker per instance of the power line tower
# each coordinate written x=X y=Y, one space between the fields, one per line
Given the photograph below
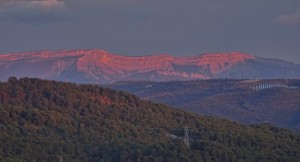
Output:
x=186 y=138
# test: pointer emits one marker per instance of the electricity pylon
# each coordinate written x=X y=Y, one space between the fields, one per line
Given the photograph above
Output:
x=186 y=138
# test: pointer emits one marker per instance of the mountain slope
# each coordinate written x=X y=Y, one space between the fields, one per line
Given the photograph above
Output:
x=231 y=99
x=98 y=66
x=44 y=120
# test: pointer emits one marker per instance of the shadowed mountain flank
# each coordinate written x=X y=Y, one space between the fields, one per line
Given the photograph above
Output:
x=273 y=101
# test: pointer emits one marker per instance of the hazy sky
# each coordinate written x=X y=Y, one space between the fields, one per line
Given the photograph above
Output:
x=268 y=28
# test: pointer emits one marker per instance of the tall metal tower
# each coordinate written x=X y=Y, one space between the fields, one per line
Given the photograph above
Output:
x=186 y=138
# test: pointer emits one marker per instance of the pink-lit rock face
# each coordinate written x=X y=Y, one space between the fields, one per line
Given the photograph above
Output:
x=98 y=66
x=109 y=64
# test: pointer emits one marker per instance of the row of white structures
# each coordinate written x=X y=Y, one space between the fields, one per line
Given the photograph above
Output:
x=267 y=86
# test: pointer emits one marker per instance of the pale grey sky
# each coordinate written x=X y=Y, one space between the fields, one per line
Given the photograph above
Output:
x=268 y=28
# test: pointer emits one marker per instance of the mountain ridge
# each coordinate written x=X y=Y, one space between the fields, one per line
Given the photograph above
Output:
x=100 y=66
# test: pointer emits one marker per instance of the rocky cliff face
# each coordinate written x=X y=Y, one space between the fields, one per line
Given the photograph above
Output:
x=98 y=66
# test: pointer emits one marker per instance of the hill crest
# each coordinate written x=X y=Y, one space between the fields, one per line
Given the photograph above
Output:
x=99 y=66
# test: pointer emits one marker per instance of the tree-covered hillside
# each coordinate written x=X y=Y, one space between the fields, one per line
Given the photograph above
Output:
x=47 y=120
x=232 y=99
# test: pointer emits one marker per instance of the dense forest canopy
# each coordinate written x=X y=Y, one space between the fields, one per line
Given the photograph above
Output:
x=43 y=120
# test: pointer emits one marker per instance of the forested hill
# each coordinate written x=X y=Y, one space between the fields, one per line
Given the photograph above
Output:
x=47 y=120
x=274 y=101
